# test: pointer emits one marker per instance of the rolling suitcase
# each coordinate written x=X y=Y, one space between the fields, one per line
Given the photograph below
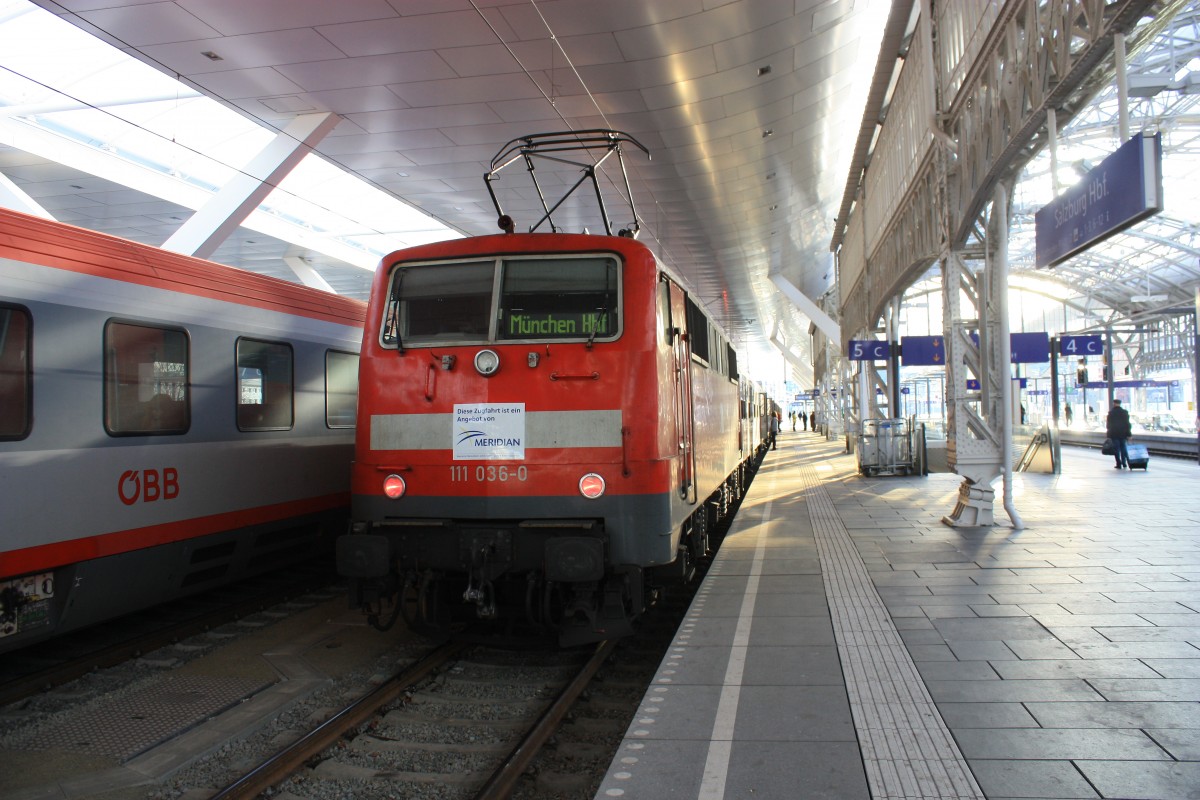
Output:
x=1138 y=457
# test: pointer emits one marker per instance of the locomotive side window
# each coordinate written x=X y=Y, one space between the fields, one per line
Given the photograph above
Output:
x=15 y=367
x=264 y=385
x=449 y=302
x=731 y=362
x=145 y=379
x=560 y=298
x=697 y=330
x=664 y=311
x=341 y=389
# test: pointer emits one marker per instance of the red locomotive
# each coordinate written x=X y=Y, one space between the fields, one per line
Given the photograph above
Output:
x=549 y=428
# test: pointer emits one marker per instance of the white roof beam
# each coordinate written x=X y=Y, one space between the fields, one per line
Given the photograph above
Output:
x=307 y=275
x=16 y=198
x=212 y=224
x=823 y=321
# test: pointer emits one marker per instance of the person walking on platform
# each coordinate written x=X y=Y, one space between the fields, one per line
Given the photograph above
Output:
x=812 y=422
x=774 y=429
x=803 y=420
x=1069 y=415
x=1118 y=429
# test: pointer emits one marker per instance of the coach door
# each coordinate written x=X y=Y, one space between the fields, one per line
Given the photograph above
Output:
x=684 y=431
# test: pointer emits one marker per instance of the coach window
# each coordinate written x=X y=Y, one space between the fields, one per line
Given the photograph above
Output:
x=450 y=302
x=560 y=298
x=264 y=385
x=15 y=366
x=341 y=389
x=145 y=379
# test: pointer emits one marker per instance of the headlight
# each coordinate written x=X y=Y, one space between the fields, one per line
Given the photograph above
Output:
x=487 y=362
x=394 y=487
x=591 y=486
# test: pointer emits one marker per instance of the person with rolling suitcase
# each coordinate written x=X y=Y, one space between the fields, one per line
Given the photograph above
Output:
x=1118 y=429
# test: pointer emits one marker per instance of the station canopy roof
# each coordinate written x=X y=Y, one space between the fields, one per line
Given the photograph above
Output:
x=119 y=132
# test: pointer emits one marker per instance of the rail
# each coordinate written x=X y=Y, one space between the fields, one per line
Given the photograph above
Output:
x=279 y=766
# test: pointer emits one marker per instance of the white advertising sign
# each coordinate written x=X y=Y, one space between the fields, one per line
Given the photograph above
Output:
x=489 y=431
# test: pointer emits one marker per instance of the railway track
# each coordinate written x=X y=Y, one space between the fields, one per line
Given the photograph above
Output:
x=386 y=738
x=46 y=665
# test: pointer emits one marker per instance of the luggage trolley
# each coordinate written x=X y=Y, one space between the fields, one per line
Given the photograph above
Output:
x=885 y=447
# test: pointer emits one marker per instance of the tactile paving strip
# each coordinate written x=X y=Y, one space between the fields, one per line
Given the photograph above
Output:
x=128 y=725
x=907 y=750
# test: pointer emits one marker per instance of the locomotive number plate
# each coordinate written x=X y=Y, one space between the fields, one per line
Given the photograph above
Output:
x=487 y=474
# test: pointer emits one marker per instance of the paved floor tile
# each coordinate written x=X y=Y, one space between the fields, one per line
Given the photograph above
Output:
x=1059 y=743
x=1142 y=714
x=987 y=715
x=1134 y=780
x=1031 y=779
x=1120 y=690
x=1075 y=668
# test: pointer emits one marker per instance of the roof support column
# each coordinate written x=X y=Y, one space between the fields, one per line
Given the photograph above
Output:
x=211 y=225
x=978 y=348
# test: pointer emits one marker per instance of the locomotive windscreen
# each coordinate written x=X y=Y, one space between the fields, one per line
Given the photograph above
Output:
x=539 y=298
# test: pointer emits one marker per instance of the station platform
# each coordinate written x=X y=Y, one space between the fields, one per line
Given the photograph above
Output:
x=847 y=644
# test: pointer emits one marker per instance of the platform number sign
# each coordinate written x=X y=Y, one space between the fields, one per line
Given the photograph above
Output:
x=1086 y=345
x=869 y=350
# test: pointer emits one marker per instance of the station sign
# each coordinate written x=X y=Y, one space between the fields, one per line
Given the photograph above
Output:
x=1124 y=189
x=869 y=350
x=973 y=384
x=1081 y=345
x=1025 y=348
x=923 y=351
x=1030 y=348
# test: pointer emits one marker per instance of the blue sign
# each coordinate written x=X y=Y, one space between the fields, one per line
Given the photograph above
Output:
x=1025 y=348
x=973 y=384
x=1030 y=348
x=1086 y=345
x=869 y=350
x=923 y=351
x=1125 y=188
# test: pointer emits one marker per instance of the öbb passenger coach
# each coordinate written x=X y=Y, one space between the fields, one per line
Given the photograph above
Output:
x=166 y=425
x=549 y=429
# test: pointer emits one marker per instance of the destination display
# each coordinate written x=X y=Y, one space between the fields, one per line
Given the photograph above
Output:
x=538 y=325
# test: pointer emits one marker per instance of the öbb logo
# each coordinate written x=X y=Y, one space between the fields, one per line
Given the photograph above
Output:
x=148 y=485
